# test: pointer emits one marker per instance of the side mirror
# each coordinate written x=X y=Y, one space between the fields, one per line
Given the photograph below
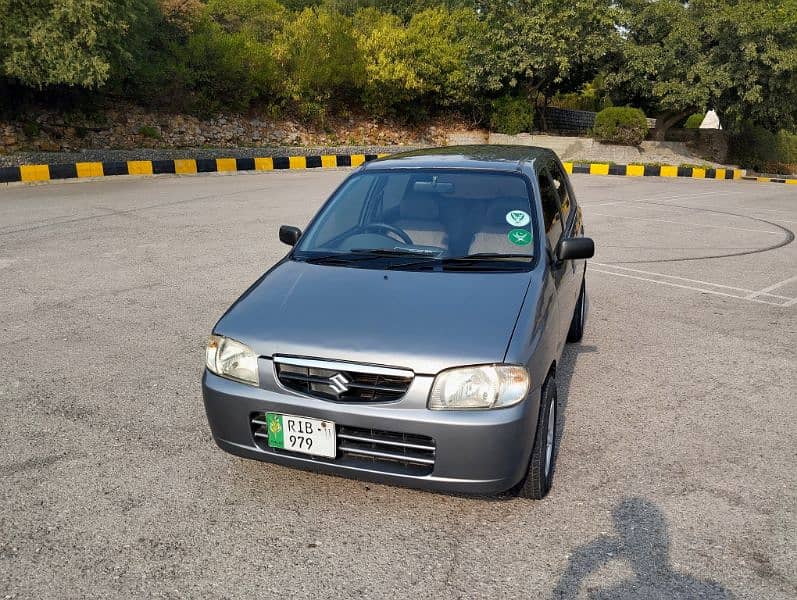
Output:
x=576 y=248
x=290 y=235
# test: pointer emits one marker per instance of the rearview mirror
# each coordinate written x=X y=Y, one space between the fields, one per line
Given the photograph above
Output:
x=290 y=235
x=440 y=187
x=576 y=248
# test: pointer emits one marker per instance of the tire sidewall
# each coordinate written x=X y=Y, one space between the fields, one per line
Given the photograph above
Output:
x=537 y=482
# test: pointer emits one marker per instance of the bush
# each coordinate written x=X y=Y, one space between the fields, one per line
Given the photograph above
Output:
x=150 y=132
x=694 y=121
x=318 y=56
x=424 y=60
x=754 y=147
x=620 y=125
x=225 y=70
x=511 y=115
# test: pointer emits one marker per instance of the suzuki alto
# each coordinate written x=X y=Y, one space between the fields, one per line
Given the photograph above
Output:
x=412 y=333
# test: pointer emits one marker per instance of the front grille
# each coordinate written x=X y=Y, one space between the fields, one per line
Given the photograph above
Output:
x=391 y=452
x=342 y=382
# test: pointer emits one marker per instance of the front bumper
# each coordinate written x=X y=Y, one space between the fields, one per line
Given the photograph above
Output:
x=479 y=452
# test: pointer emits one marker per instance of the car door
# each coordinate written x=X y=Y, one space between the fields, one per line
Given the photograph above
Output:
x=554 y=229
x=571 y=221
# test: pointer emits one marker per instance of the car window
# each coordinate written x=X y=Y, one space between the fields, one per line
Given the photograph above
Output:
x=349 y=208
x=434 y=212
x=550 y=209
x=560 y=183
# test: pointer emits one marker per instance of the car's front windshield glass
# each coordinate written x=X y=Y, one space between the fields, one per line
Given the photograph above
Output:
x=408 y=218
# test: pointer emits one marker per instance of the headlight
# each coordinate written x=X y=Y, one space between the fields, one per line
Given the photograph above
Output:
x=231 y=359
x=486 y=386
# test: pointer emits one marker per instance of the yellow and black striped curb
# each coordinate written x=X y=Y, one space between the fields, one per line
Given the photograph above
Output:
x=187 y=166
x=31 y=173
x=668 y=171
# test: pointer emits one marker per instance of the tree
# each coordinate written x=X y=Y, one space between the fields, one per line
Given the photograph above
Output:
x=259 y=19
x=664 y=68
x=428 y=58
x=70 y=42
x=755 y=47
x=318 y=55
x=739 y=56
x=538 y=45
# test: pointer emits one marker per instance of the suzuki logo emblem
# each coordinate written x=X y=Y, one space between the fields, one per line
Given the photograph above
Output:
x=340 y=383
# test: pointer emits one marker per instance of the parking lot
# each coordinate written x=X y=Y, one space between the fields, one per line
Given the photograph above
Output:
x=676 y=467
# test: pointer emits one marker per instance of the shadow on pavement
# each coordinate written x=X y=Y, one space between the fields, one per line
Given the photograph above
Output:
x=564 y=374
x=641 y=540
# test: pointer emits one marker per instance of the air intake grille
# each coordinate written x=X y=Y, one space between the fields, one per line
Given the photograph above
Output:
x=342 y=382
x=371 y=449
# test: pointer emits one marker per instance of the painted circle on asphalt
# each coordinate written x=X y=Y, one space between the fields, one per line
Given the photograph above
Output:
x=518 y=218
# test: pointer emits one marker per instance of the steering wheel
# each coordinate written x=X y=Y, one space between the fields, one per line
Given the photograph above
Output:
x=384 y=227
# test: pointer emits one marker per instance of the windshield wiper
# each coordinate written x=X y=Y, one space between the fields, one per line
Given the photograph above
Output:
x=495 y=258
x=488 y=256
x=361 y=254
x=397 y=251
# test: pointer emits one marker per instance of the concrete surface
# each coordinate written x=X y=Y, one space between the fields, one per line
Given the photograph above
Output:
x=585 y=149
x=676 y=469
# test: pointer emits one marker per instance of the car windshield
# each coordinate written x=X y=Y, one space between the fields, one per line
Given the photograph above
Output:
x=411 y=219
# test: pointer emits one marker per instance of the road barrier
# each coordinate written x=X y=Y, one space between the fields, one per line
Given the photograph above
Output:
x=190 y=166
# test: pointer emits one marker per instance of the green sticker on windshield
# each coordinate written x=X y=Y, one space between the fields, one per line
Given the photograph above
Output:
x=519 y=237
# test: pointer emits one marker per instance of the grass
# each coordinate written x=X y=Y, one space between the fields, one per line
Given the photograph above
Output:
x=149 y=132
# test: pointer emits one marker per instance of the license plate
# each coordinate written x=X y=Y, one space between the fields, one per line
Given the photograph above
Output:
x=300 y=434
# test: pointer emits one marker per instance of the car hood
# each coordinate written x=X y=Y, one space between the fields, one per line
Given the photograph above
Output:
x=421 y=320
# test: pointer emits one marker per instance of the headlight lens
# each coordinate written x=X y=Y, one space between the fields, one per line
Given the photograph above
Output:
x=486 y=386
x=231 y=359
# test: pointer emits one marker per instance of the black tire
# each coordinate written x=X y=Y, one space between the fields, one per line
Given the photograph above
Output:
x=539 y=477
x=576 y=331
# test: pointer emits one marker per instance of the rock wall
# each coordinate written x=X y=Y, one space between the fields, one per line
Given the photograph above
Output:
x=131 y=127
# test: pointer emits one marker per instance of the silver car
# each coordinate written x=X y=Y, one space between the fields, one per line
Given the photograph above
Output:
x=412 y=333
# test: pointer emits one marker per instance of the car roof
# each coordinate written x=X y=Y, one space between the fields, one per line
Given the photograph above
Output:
x=493 y=157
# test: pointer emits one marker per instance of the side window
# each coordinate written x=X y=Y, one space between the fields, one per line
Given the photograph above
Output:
x=560 y=183
x=347 y=212
x=550 y=209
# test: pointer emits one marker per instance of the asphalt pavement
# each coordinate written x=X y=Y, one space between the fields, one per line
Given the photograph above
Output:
x=675 y=475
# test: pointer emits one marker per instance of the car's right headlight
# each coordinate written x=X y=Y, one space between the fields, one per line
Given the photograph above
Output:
x=484 y=386
x=231 y=359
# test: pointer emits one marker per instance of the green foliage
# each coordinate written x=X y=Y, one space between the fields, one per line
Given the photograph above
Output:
x=31 y=129
x=786 y=146
x=425 y=60
x=592 y=96
x=664 y=66
x=671 y=58
x=754 y=147
x=260 y=20
x=70 y=42
x=739 y=56
x=318 y=57
x=542 y=45
x=223 y=69
x=150 y=132
x=621 y=125
x=754 y=47
x=694 y=121
x=512 y=115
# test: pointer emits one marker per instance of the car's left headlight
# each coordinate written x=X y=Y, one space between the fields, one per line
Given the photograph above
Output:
x=231 y=359
x=485 y=386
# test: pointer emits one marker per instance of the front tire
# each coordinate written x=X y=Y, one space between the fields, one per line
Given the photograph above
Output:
x=539 y=477
x=576 y=331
